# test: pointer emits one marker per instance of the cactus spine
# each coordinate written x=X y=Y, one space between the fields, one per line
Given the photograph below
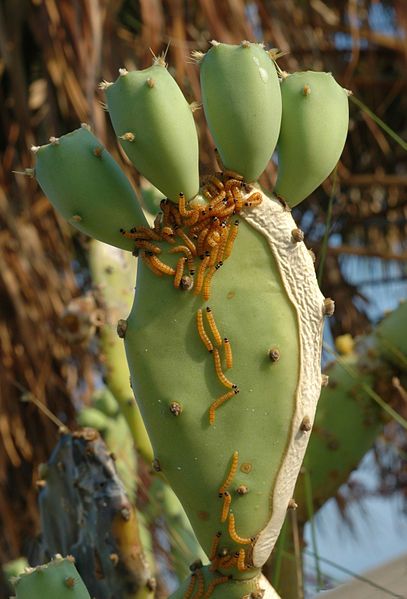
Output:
x=224 y=337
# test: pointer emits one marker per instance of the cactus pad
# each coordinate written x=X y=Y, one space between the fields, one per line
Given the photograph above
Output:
x=156 y=128
x=314 y=126
x=59 y=578
x=235 y=484
x=242 y=103
x=87 y=187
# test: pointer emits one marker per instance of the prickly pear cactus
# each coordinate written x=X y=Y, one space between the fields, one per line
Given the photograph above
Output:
x=224 y=337
x=59 y=578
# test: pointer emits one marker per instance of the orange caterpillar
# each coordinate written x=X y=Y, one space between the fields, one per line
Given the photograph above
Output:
x=232 y=472
x=201 y=331
x=213 y=327
x=233 y=534
x=221 y=376
x=228 y=353
x=179 y=271
x=218 y=402
x=227 y=500
x=214 y=584
x=190 y=589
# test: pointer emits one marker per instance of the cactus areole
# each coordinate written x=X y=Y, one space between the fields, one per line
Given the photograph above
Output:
x=224 y=337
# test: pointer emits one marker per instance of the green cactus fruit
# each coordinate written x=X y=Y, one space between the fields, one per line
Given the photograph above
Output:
x=273 y=319
x=314 y=126
x=155 y=126
x=205 y=583
x=59 y=578
x=86 y=185
x=242 y=103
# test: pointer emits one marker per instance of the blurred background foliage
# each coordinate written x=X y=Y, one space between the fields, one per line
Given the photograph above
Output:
x=52 y=56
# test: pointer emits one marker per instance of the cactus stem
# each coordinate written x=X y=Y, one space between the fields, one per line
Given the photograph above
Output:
x=121 y=328
x=123 y=72
x=128 y=136
x=329 y=306
x=306 y=425
x=297 y=235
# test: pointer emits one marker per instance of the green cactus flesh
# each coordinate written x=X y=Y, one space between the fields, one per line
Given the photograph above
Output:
x=59 y=578
x=314 y=126
x=156 y=128
x=242 y=103
x=87 y=187
x=275 y=306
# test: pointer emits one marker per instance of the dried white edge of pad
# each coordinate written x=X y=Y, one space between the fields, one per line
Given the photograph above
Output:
x=297 y=271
